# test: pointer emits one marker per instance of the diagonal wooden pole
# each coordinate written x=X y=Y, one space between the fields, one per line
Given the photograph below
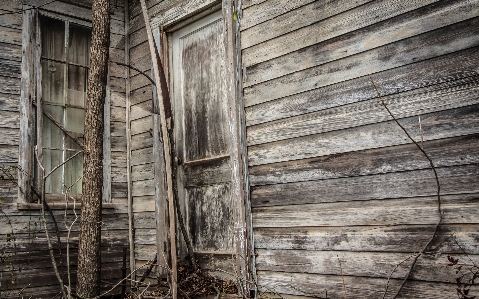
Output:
x=162 y=96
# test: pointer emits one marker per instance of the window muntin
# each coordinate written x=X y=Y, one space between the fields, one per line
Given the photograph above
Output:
x=64 y=63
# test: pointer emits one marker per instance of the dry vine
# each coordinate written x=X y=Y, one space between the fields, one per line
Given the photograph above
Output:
x=433 y=167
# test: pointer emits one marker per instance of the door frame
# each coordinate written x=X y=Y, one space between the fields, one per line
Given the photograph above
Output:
x=172 y=19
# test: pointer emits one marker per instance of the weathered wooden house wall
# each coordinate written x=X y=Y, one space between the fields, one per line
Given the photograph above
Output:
x=140 y=109
x=335 y=183
x=25 y=262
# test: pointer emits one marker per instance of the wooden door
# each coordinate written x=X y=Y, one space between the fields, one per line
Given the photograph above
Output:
x=201 y=134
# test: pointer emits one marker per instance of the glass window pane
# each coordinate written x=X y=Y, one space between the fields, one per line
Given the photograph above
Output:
x=52 y=82
x=51 y=159
x=79 y=45
x=53 y=38
x=52 y=134
x=77 y=77
x=74 y=172
x=74 y=120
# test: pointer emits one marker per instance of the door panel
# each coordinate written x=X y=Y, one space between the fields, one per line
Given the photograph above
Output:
x=201 y=134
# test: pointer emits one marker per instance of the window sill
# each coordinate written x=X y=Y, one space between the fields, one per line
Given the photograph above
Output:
x=59 y=206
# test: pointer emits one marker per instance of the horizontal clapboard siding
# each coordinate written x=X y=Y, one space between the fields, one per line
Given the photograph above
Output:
x=141 y=139
x=336 y=186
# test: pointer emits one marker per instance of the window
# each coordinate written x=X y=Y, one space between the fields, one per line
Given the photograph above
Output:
x=64 y=62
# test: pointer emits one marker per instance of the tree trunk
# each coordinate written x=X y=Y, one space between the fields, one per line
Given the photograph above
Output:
x=89 y=258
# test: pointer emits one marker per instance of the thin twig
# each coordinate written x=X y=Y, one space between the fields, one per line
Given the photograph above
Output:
x=391 y=274
x=50 y=247
x=433 y=167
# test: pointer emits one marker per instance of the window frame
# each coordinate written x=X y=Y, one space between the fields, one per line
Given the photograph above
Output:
x=31 y=114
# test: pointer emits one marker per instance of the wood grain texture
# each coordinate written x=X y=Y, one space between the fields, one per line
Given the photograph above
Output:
x=454 y=179
x=388 y=238
x=142 y=140
x=300 y=284
x=454 y=66
x=9 y=119
x=443 y=152
x=10 y=52
x=273 y=9
x=176 y=10
x=11 y=36
x=431 y=268
x=444 y=124
x=348 y=21
x=425 y=46
x=411 y=211
x=141 y=125
x=445 y=96
x=422 y=20
x=142 y=156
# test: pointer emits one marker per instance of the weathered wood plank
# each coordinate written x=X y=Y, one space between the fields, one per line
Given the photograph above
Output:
x=10 y=52
x=177 y=10
x=10 y=68
x=356 y=287
x=9 y=102
x=117 y=26
x=145 y=236
x=140 y=95
x=444 y=96
x=444 y=152
x=142 y=172
x=9 y=153
x=265 y=11
x=354 y=19
x=117 y=55
x=142 y=156
x=9 y=85
x=141 y=125
x=118 y=129
x=138 y=37
x=10 y=136
x=444 y=124
x=454 y=66
x=278 y=17
x=139 y=80
x=11 y=36
x=208 y=172
x=9 y=119
x=431 y=44
x=10 y=20
x=425 y=19
x=453 y=180
x=248 y=3
x=117 y=41
x=145 y=220
x=118 y=160
x=117 y=84
x=145 y=203
x=412 y=211
x=118 y=99
x=142 y=140
x=137 y=22
x=143 y=188
x=431 y=268
x=118 y=114
x=402 y=238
